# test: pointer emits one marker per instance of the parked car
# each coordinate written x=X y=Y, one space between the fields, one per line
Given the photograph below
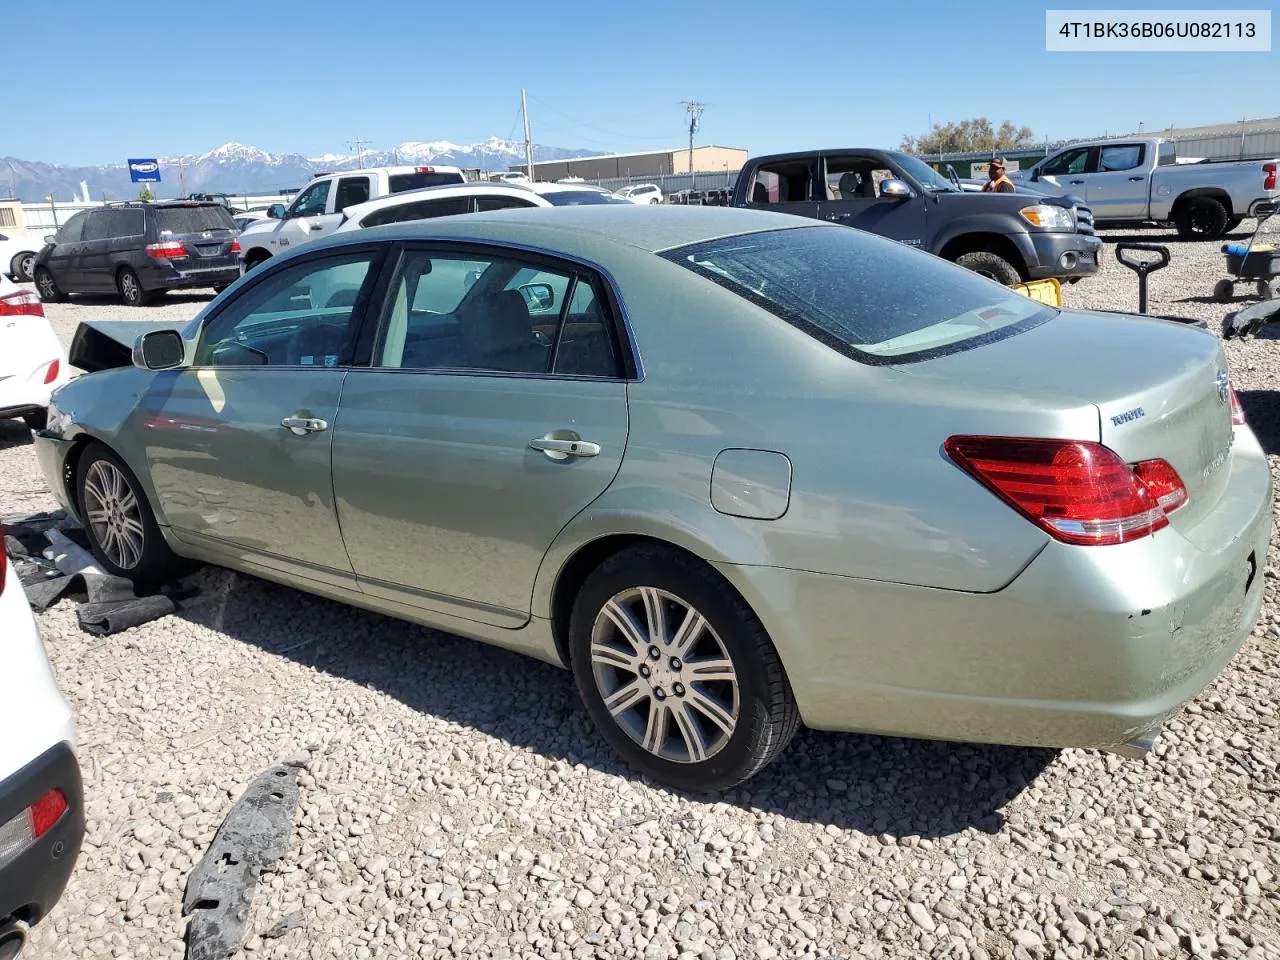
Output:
x=1140 y=179
x=641 y=193
x=244 y=220
x=604 y=437
x=42 y=818
x=510 y=176
x=431 y=202
x=140 y=251
x=1007 y=237
x=17 y=257
x=32 y=362
x=318 y=208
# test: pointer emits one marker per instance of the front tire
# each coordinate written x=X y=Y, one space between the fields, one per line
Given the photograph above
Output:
x=677 y=672
x=990 y=265
x=1202 y=218
x=131 y=290
x=122 y=530
x=22 y=266
x=47 y=287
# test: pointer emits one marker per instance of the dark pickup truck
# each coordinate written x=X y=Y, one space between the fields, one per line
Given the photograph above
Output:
x=1010 y=237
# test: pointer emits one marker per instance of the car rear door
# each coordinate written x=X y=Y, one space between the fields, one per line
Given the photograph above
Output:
x=238 y=444
x=1116 y=187
x=785 y=186
x=1065 y=173
x=127 y=239
x=850 y=184
x=475 y=435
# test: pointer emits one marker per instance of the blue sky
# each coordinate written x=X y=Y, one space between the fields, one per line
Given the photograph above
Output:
x=307 y=77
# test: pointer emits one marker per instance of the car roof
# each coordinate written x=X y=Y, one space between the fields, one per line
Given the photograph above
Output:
x=585 y=230
x=402 y=168
x=428 y=193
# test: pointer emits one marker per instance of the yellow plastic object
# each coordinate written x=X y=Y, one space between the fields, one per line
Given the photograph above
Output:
x=1046 y=291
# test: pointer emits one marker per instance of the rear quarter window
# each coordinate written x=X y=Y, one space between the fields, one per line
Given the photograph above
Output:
x=871 y=299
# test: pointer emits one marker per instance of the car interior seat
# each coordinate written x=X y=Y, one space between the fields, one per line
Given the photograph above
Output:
x=498 y=335
x=850 y=186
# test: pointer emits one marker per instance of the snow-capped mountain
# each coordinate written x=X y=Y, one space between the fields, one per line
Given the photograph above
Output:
x=238 y=168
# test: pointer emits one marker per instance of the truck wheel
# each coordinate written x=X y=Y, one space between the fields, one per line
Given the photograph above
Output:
x=1202 y=218
x=990 y=265
x=1269 y=289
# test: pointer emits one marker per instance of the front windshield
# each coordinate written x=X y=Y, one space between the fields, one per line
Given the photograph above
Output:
x=928 y=177
x=869 y=298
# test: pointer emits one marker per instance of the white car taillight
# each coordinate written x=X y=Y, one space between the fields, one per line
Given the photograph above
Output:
x=18 y=835
x=21 y=303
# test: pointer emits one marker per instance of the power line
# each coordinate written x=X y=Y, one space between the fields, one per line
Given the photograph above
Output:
x=592 y=126
x=358 y=145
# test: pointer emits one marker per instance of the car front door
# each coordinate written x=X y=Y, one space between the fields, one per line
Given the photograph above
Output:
x=238 y=442
x=63 y=260
x=304 y=219
x=93 y=267
x=1117 y=188
x=785 y=186
x=494 y=409
x=851 y=187
x=1065 y=172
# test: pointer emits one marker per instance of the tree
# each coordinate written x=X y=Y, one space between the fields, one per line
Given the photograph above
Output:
x=145 y=195
x=968 y=136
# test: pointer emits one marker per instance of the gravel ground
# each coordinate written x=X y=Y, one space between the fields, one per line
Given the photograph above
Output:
x=456 y=802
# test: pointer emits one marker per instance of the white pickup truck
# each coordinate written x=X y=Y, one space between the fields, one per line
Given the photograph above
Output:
x=317 y=209
x=1140 y=179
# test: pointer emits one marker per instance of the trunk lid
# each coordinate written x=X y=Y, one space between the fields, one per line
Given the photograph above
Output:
x=1160 y=389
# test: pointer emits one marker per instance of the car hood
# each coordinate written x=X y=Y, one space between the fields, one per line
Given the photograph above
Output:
x=262 y=226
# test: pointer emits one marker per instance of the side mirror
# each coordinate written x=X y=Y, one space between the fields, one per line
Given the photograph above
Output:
x=276 y=211
x=895 y=189
x=159 y=350
x=1035 y=175
x=51 y=238
x=539 y=296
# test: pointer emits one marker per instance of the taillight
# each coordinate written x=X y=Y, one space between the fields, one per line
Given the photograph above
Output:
x=30 y=825
x=51 y=374
x=235 y=246
x=169 y=250
x=1077 y=491
x=1269 y=182
x=1237 y=411
x=24 y=303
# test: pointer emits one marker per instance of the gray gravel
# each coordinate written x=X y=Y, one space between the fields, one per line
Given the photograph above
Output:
x=458 y=804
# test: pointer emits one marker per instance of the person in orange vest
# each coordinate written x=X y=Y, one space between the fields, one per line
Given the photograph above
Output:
x=997 y=182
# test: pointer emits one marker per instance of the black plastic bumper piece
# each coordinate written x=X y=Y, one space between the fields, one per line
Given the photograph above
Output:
x=33 y=883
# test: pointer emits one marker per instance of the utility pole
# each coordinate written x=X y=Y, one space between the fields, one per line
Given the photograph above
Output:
x=358 y=145
x=694 y=109
x=182 y=178
x=528 y=141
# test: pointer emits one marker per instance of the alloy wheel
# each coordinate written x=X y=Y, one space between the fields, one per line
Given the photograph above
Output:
x=665 y=676
x=129 y=287
x=114 y=515
x=48 y=289
x=26 y=264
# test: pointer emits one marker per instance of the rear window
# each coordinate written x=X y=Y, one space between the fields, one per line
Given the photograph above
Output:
x=422 y=210
x=573 y=198
x=193 y=219
x=399 y=182
x=869 y=298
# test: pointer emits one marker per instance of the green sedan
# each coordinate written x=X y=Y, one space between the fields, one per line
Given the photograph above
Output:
x=736 y=470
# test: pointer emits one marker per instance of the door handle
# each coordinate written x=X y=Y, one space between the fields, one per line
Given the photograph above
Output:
x=839 y=216
x=301 y=426
x=563 y=449
x=1075 y=181
x=317 y=226
x=1136 y=179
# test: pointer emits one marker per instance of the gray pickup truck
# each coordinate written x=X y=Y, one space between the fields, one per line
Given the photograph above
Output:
x=1010 y=237
x=1143 y=180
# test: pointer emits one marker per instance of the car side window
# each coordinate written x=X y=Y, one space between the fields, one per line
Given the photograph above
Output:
x=310 y=202
x=1123 y=156
x=351 y=190
x=98 y=226
x=73 y=230
x=495 y=314
x=301 y=315
x=126 y=222
x=854 y=178
x=1168 y=154
x=485 y=204
x=786 y=182
x=422 y=210
x=1072 y=161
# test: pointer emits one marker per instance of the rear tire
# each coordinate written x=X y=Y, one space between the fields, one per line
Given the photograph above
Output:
x=1202 y=218
x=118 y=521
x=22 y=266
x=47 y=287
x=990 y=265
x=723 y=695
x=131 y=290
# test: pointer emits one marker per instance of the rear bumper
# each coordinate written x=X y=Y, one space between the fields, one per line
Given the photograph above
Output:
x=181 y=276
x=1087 y=647
x=1064 y=255
x=33 y=883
